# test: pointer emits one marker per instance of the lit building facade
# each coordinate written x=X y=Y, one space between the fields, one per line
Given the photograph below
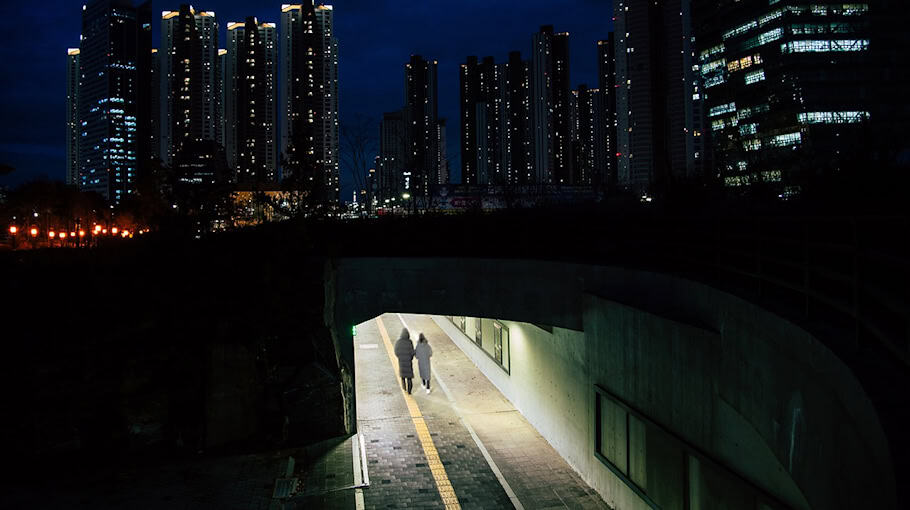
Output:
x=551 y=107
x=146 y=113
x=250 y=102
x=589 y=136
x=606 y=75
x=109 y=96
x=222 y=98
x=791 y=89
x=517 y=134
x=310 y=143
x=393 y=150
x=72 y=116
x=481 y=122
x=190 y=80
x=154 y=112
x=443 y=174
x=654 y=89
x=422 y=121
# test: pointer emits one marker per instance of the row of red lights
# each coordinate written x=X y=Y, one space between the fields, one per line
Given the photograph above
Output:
x=99 y=230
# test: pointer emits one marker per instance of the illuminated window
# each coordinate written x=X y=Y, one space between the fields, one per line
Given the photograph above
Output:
x=722 y=109
x=833 y=117
x=786 y=140
x=753 y=144
x=762 y=39
x=711 y=66
x=820 y=46
x=742 y=29
x=710 y=52
x=755 y=76
x=748 y=129
x=715 y=80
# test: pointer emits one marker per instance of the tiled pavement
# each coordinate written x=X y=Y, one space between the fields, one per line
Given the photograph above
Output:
x=398 y=467
x=399 y=472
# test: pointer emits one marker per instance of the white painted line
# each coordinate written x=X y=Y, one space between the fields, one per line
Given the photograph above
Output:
x=358 y=479
x=486 y=455
x=369 y=346
x=363 y=462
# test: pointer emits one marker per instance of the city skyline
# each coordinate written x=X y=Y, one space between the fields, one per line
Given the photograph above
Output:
x=39 y=149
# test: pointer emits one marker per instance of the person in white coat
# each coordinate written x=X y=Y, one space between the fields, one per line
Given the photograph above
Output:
x=422 y=352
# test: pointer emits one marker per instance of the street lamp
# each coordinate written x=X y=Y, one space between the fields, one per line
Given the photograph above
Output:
x=114 y=230
x=33 y=232
x=13 y=229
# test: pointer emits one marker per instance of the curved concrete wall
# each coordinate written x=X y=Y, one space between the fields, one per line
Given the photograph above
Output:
x=753 y=392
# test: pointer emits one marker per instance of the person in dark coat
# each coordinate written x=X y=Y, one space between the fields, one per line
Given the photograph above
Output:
x=404 y=350
x=423 y=353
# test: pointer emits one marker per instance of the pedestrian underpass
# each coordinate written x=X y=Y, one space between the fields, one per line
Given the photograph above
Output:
x=689 y=400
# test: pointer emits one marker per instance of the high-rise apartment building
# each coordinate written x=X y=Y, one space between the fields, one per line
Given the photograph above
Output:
x=72 y=116
x=793 y=90
x=443 y=174
x=145 y=67
x=309 y=99
x=590 y=137
x=154 y=91
x=517 y=134
x=481 y=122
x=421 y=108
x=654 y=108
x=606 y=75
x=393 y=150
x=551 y=105
x=250 y=103
x=113 y=36
x=190 y=84
x=222 y=98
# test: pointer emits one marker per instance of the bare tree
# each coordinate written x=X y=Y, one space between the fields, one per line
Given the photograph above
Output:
x=358 y=147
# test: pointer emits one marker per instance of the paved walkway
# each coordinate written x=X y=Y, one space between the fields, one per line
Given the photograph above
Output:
x=462 y=446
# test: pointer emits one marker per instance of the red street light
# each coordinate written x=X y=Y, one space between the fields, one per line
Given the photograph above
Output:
x=62 y=235
x=114 y=230
x=33 y=232
x=13 y=229
x=51 y=234
x=82 y=233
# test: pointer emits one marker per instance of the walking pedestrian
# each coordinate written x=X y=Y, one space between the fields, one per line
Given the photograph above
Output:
x=423 y=353
x=404 y=350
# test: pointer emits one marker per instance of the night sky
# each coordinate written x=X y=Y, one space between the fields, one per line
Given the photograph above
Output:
x=376 y=38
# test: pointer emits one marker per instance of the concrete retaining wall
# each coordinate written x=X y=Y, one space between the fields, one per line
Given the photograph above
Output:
x=728 y=403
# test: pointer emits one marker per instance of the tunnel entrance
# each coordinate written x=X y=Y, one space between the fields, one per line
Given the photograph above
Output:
x=656 y=390
x=459 y=440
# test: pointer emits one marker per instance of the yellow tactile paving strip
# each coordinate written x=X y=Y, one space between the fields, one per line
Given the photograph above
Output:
x=446 y=492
